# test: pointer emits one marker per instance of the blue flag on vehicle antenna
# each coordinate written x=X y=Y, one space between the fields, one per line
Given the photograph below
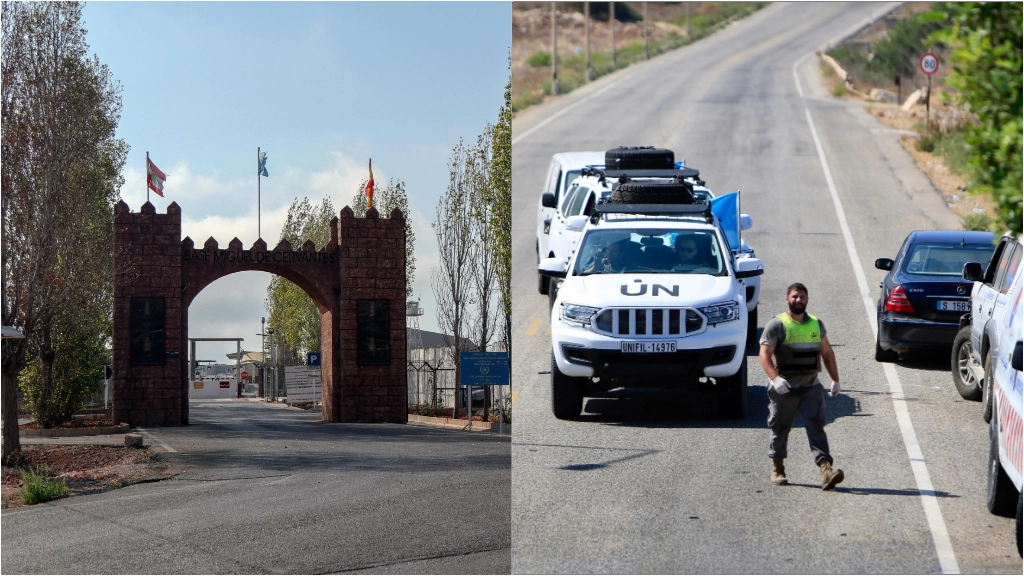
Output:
x=727 y=208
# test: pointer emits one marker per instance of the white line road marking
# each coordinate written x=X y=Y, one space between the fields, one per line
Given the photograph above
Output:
x=157 y=440
x=932 y=511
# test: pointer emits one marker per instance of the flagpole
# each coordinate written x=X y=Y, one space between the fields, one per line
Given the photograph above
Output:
x=147 y=175
x=258 y=236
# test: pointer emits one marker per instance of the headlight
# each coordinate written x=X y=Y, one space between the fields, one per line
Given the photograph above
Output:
x=576 y=314
x=722 y=312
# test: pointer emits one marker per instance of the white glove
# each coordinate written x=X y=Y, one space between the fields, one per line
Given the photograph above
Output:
x=835 y=389
x=781 y=385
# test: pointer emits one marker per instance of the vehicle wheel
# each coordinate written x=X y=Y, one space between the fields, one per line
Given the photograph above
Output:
x=542 y=284
x=652 y=193
x=566 y=394
x=732 y=393
x=1020 y=550
x=624 y=158
x=1001 y=490
x=960 y=364
x=881 y=354
x=986 y=390
x=752 y=328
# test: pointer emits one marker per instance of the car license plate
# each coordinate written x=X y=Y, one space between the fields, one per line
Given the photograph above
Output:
x=954 y=306
x=648 y=347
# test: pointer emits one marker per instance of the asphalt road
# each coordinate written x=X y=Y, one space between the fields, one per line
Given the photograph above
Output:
x=267 y=489
x=644 y=482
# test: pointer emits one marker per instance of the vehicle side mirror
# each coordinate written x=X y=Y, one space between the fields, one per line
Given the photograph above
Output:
x=547 y=200
x=746 y=222
x=972 y=272
x=576 y=223
x=748 y=268
x=552 y=267
x=1016 y=360
x=884 y=263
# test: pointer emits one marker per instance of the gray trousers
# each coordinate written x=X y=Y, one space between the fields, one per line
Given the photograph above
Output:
x=809 y=401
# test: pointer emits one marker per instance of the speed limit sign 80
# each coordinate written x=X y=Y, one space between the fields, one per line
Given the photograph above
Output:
x=929 y=63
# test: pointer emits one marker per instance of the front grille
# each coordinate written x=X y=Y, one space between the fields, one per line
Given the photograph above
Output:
x=635 y=322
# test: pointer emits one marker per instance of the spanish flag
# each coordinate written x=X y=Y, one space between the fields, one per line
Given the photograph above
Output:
x=369 y=187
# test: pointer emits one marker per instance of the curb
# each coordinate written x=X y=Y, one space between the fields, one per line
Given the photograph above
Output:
x=61 y=432
x=458 y=424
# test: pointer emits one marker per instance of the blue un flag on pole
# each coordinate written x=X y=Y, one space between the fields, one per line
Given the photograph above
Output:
x=727 y=208
x=263 y=164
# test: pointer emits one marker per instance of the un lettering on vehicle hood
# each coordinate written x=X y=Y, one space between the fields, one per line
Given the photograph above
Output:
x=651 y=290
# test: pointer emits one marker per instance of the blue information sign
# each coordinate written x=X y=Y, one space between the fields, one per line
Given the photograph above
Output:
x=312 y=358
x=483 y=369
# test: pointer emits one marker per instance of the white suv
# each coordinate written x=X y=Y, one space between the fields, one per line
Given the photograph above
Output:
x=996 y=333
x=564 y=169
x=652 y=297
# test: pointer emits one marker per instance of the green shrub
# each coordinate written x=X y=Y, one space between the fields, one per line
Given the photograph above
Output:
x=839 y=91
x=79 y=354
x=925 y=144
x=525 y=101
x=39 y=488
x=954 y=151
x=539 y=59
x=979 y=222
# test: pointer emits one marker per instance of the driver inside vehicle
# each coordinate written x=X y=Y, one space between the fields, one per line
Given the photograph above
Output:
x=612 y=259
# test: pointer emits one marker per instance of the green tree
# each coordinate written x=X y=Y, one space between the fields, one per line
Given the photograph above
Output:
x=387 y=197
x=293 y=316
x=985 y=40
x=500 y=174
x=61 y=168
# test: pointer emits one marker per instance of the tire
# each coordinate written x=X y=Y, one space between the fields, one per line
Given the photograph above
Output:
x=881 y=354
x=986 y=390
x=752 y=328
x=634 y=158
x=542 y=284
x=566 y=394
x=960 y=360
x=652 y=193
x=732 y=393
x=1020 y=549
x=1001 y=491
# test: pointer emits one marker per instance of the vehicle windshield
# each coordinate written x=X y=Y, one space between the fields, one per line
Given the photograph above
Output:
x=944 y=259
x=570 y=177
x=650 y=251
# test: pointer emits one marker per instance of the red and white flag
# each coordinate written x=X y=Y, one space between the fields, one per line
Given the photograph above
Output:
x=155 y=178
x=369 y=187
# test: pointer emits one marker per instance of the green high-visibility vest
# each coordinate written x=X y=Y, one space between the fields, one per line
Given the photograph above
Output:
x=800 y=353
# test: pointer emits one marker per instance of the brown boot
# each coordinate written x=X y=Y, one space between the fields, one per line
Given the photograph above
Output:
x=778 y=472
x=830 y=477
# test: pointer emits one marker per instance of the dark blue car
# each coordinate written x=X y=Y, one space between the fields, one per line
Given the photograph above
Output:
x=924 y=294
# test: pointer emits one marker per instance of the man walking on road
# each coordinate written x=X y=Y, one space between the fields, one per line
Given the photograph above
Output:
x=798 y=342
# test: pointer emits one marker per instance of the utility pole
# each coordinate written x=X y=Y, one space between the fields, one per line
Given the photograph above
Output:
x=611 y=24
x=647 y=54
x=273 y=359
x=263 y=359
x=554 y=48
x=586 y=16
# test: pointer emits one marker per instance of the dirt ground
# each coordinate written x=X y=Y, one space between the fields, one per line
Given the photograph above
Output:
x=86 y=469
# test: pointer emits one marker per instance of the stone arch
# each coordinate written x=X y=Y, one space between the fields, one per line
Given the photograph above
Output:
x=156 y=269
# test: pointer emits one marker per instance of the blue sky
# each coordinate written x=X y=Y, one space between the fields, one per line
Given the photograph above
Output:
x=321 y=87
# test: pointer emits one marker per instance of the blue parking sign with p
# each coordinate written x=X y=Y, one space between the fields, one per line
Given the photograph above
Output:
x=313 y=359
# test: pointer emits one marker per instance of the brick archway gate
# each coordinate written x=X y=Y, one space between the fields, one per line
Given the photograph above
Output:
x=357 y=282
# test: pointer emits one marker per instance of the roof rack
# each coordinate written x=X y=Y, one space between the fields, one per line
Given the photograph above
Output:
x=703 y=210
x=678 y=173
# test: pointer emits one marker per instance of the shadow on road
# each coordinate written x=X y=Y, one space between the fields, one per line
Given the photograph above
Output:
x=929 y=360
x=875 y=491
x=653 y=408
